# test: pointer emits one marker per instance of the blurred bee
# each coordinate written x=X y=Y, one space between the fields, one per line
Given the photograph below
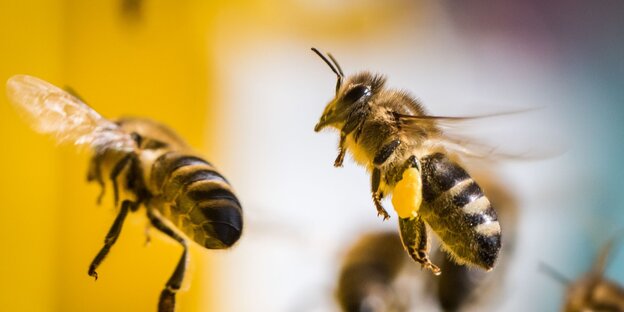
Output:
x=365 y=281
x=389 y=133
x=593 y=291
x=183 y=194
x=132 y=9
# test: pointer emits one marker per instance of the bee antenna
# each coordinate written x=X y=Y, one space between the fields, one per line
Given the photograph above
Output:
x=334 y=67
x=602 y=260
x=331 y=57
x=553 y=273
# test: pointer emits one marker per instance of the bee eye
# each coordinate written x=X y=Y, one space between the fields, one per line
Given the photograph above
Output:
x=356 y=93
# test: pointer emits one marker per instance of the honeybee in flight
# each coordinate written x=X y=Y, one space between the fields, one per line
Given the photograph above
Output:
x=184 y=195
x=388 y=132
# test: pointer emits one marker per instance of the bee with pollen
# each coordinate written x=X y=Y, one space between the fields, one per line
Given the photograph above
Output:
x=408 y=156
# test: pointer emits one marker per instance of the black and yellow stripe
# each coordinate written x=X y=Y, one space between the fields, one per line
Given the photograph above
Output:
x=201 y=201
x=455 y=208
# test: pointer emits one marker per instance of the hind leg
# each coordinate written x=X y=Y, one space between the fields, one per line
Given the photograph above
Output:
x=414 y=239
x=166 y=302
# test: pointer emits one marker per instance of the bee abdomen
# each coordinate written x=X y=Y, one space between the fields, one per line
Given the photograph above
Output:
x=169 y=162
x=204 y=206
x=214 y=211
x=458 y=211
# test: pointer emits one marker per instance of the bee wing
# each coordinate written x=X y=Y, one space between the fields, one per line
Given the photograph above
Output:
x=51 y=110
x=485 y=137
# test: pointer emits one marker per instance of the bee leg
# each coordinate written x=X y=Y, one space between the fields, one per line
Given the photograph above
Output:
x=354 y=123
x=95 y=174
x=414 y=238
x=111 y=237
x=385 y=152
x=166 y=303
x=341 y=151
x=379 y=159
x=412 y=162
x=377 y=196
x=115 y=173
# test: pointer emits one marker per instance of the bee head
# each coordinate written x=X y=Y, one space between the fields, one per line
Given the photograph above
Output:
x=353 y=94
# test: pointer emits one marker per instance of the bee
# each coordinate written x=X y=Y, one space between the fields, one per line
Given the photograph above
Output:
x=367 y=275
x=132 y=10
x=593 y=291
x=184 y=196
x=389 y=133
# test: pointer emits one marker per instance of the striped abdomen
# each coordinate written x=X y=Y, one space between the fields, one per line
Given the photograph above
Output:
x=456 y=209
x=202 y=203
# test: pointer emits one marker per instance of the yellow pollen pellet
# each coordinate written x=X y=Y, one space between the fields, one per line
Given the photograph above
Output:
x=407 y=194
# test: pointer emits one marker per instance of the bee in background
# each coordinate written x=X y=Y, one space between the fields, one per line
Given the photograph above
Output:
x=132 y=10
x=184 y=195
x=388 y=132
x=593 y=291
x=366 y=277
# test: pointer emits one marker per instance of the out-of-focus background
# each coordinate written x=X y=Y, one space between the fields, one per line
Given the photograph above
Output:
x=238 y=81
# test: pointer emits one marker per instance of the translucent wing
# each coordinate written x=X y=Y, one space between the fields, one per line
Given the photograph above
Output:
x=51 y=110
x=489 y=137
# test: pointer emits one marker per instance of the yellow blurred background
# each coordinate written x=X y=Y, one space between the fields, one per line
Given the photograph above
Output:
x=125 y=58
